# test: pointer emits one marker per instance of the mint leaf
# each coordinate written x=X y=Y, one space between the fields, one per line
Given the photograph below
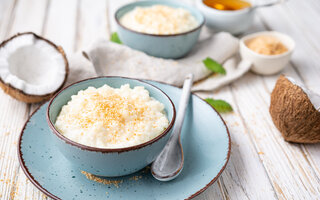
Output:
x=115 y=38
x=220 y=105
x=214 y=66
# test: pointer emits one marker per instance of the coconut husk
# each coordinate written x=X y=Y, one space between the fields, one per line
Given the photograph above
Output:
x=293 y=113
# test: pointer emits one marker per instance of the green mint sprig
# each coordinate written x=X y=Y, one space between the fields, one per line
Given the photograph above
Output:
x=214 y=66
x=220 y=105
x=115 y=38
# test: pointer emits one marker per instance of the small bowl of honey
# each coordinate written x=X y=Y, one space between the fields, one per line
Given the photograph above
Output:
x=234 y=16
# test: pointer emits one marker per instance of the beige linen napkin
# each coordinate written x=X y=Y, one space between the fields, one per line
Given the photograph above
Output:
x=112 y=59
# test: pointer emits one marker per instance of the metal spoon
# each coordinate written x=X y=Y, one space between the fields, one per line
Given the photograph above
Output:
x=169 y=162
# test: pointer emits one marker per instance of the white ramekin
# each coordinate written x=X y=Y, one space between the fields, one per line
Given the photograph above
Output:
x=267 y=64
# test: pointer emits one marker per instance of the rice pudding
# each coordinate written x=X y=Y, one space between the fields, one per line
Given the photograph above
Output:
x=109 y=117
x=159 y=20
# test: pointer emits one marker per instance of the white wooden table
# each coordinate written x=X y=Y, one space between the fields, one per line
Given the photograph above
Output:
x=262 y=164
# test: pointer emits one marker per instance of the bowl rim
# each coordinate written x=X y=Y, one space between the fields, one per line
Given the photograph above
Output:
x=162 y=3
x=109 y=150
x=272 y=33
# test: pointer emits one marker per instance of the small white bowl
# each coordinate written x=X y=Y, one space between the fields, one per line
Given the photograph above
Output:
x=234 y=22
x=267 y=64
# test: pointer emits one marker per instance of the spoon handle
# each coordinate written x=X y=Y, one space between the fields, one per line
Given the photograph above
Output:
x=170 y=161
x=183 y=103
x=267 y=4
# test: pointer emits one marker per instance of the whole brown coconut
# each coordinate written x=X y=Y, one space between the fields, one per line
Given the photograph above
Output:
x=293 y=113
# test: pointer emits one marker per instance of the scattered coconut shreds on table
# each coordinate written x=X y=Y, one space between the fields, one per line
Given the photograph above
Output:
x=146 y=169
x=33 y=68
x=112 y=182
x=135 y=178
x=102 y=180
x=295 y=111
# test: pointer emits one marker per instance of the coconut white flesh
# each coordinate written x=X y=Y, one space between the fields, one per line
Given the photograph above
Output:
x=313 y=97
x=32 y=65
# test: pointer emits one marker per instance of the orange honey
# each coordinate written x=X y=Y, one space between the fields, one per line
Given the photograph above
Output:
x=227 y=4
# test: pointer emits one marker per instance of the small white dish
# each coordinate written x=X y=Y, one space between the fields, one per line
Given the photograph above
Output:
x=267 y=64
x=234 y=22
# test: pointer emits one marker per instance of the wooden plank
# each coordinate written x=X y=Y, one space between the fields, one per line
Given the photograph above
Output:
x=306 y=15
x=241 y=180
x=310 y=152
x=5 y=6
x=61 y=24
x=305 y=55
x=29 y=16
x=290 y=173
x=9 y=131
x=9 y=107
x=259 y=139
x=295 y=18
x=268 y=82
x=15 y=112
x=7 y=10
x=112 y=8
x=213 y=192
x=23 y=188
x=92 y=23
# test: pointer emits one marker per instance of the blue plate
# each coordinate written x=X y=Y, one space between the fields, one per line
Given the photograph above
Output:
x=206 y=144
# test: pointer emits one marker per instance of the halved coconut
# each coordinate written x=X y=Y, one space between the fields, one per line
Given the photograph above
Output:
x=295 y=111
x=32 y=68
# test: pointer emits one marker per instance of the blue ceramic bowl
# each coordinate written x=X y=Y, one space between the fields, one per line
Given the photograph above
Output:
x=102 y=161
x=164 y=46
